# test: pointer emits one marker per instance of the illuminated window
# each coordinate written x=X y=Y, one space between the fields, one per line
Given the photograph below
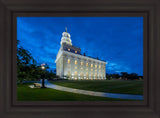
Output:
x=91 y=65
x=76 y=62
x=99 y=66
x=96 y=74
x=95 y=66
x=68 y=49
x=68 y=61
x=75 y=67
x=81 y=63
x=81 y=68
x=81 y=73
x=91 y=74
x=75 y=73
x=91 y=69
x=87 y=74
x=86 y=68
x=75 y=51
x=86 y=64
x=68 y=73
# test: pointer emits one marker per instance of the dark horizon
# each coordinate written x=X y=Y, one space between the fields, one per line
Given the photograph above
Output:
x=118 y=40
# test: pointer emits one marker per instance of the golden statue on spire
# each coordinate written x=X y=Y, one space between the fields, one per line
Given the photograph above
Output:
x=66 y=29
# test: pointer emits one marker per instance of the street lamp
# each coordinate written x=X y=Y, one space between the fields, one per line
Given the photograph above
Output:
x=43 y=75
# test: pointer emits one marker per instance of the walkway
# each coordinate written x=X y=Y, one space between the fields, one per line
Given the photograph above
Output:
x=94 y=93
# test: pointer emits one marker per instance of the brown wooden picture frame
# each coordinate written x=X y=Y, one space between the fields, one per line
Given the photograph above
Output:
x=10 y=108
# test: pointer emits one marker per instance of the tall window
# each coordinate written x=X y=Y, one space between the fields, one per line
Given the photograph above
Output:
x=91 y=69
x=75 y=67
x=86 y=64
x=76 y=62
x=69 y=49
x=91 y=74
x=99 y=66
x=75 y=73
x=68 y=61
x=87 y=74
x=91 y=65
x=81 y=63
x=81 y=73
x=68 y=73
x=95 y=66
x=76 y=51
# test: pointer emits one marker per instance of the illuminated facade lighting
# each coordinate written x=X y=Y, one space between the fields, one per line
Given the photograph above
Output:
x=70 y=61
x=86 y=64
x=91 y=65
x=76 y=62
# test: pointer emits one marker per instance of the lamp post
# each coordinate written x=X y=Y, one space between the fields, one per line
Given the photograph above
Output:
x=43 y=75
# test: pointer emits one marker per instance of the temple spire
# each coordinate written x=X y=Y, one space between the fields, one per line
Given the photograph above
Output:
x=66 y=38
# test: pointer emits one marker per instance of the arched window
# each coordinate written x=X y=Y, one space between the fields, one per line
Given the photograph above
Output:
x=81 y=63
x=68 y=61
x=86 y=73
x=91 y=65
x=76 y=62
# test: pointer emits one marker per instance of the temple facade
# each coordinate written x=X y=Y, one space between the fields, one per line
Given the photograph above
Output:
x=71 y=64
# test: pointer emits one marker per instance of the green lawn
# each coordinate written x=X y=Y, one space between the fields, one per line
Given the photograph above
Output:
x=24 y=93
x=111 y=86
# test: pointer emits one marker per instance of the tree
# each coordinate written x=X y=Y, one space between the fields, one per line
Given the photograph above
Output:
x=124 y=75
x=25 y=70
x=115 y=76
x=23 y=56
x=133 y=76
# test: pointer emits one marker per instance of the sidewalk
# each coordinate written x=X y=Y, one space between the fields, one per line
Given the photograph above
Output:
x=94 y=93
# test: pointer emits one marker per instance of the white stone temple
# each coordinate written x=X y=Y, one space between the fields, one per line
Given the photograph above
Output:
x=72 y=64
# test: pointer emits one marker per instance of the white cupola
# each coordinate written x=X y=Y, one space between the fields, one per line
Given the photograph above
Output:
x=66 y=38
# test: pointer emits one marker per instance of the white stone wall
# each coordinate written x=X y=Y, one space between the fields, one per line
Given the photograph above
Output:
x=78 y=71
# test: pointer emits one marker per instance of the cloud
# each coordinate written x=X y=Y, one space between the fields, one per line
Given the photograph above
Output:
x=118 y=40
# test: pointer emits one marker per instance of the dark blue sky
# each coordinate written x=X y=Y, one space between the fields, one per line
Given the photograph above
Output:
x=118 y=40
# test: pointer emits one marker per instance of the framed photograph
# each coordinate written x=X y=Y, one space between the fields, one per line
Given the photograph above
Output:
x=79 y=59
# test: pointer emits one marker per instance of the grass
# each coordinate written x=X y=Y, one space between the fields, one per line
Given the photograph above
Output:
x=111 y=86
x=25 y=93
